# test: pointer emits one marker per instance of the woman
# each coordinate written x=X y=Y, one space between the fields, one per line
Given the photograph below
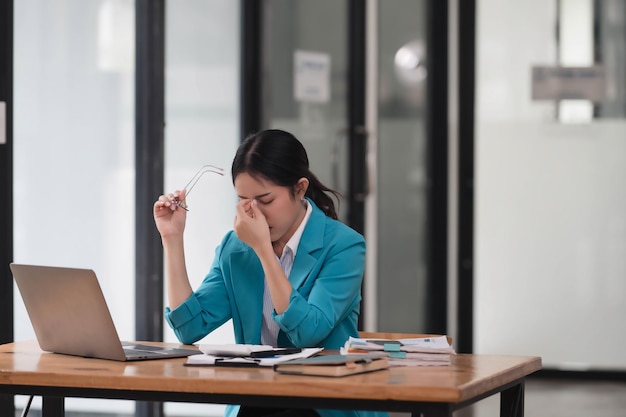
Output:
x=289 y=274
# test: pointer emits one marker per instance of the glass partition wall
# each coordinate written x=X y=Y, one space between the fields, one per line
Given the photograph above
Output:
x=402 y=175
x=202 y=109
x=74 y=142
x=306 y=90
x=74 y=150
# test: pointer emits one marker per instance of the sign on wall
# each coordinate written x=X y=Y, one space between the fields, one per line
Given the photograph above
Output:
x=568 y=83
x=311 y=76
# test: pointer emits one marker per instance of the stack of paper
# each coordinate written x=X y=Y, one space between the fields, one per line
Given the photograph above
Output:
x=247 y=355
x=426 y=351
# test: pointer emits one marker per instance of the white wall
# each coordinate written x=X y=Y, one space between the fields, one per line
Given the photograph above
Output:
x=550 y=242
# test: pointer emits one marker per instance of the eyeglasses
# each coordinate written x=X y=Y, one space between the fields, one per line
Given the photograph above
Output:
x=192 y=182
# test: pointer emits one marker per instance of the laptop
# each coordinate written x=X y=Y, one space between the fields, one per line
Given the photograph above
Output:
x=69 y=315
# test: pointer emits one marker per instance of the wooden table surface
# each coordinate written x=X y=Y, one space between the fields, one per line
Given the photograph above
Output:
x=468 y=377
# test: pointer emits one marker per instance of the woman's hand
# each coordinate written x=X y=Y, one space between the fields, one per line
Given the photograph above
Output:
x=169 y=217
x=251 y=226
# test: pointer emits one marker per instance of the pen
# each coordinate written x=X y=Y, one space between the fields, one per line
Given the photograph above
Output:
x=275 y=352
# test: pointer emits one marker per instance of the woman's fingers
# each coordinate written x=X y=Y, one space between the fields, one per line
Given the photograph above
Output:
x=171 y=200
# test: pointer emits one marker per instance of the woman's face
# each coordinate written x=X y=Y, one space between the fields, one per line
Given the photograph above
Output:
x=282 y=209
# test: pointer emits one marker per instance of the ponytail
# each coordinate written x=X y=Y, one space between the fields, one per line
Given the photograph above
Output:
x=319 y=193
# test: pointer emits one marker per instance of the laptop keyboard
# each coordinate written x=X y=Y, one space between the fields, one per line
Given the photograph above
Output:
x=138 y=350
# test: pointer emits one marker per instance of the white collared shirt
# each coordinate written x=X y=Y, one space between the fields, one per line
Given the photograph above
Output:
x=269 y=328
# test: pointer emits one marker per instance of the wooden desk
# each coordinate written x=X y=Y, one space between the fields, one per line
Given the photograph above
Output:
x=434 y=391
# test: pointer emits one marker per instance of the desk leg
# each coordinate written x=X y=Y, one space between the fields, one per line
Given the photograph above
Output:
x=512 y=401
x=52 y=406
x=7 y=405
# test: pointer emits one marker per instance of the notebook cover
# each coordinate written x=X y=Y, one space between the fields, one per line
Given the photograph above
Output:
x=334 y=365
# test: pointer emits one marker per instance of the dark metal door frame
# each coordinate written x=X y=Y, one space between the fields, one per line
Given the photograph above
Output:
x=437 y=166
x=149 y=175
x=465 y=93
x=357 y=134
x=251 y=41
x=7 y=407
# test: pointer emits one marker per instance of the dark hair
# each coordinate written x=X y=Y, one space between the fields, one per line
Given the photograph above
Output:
x=279 y=157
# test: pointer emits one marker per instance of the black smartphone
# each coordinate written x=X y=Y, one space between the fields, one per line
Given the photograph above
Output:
x=275 y=352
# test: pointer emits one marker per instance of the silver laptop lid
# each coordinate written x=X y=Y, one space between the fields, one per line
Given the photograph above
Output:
x=68 y=311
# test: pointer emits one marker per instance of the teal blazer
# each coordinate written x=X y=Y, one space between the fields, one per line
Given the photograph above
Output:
x=324 y=306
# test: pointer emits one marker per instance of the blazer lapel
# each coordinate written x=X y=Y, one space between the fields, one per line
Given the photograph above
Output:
x=247 y=280
x=311 y=241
